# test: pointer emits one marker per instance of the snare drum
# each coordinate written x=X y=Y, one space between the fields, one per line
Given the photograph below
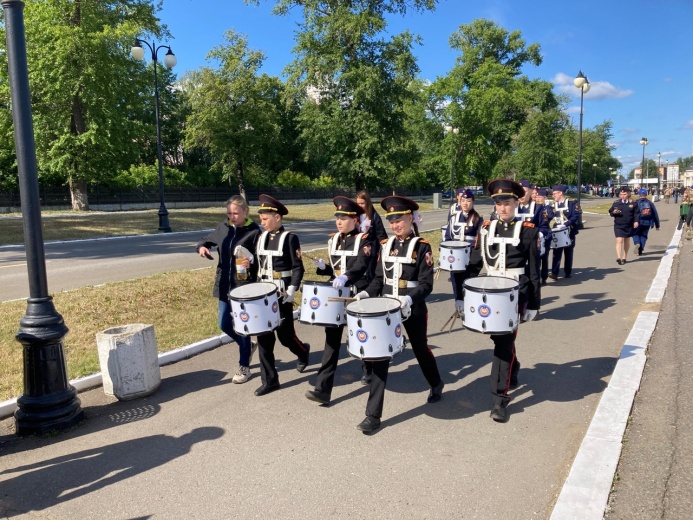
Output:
x=561 y=237
x=255 y=308
x=491 y=305
x=316 y=309
x=454 y=256
x=375 y=328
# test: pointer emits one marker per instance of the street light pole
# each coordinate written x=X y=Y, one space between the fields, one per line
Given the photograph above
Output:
x=583 y=84
x=170 y=61
x=644 y=142
x=659 y=169
x=449 y=129
x=49 y=402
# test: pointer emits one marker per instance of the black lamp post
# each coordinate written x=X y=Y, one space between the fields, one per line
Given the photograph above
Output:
x=644 y=142
x=659 y=169
x=170 y=61
x=449 y=129
x=583 y=84
x=49 y=402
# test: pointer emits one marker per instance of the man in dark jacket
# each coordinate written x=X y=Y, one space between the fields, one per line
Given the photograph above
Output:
x=234 y=239
x=648 y=218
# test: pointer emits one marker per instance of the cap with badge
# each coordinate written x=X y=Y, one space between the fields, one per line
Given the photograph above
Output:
x=624 y=189
x=542 y=192
x=346 y=207
x=396 y=206
x=465 y=193
x=502 y=189
x=270 y=204
x=525 y=183
x=559 y=187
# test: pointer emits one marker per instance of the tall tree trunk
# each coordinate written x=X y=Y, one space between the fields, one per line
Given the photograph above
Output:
x=78 y=194
x=240 y=178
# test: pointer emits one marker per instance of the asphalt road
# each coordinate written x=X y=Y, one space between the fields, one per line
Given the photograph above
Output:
x=201 y=447
x=75 y=264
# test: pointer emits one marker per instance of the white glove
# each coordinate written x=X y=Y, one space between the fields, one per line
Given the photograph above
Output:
x=459 y=306
x=290 y=292
x=242 y=252
x=530 y=315
x=406 y=302
x=361 y=296
x=319 y=263
x=340 y=281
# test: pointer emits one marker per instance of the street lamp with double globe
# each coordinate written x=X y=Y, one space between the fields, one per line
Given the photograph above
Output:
x=170 y=61
x=583 y=84
x=449 y=129
x=644 y=142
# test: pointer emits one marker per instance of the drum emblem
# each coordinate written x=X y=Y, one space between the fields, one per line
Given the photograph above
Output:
x=244 y=316
x=398 y=331
x=314 y=303
x=275 y=306
x=362 y=335
x=451 y=259
x=484 y=311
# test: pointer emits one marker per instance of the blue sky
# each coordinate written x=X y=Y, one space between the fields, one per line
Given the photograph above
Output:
x=636 y=54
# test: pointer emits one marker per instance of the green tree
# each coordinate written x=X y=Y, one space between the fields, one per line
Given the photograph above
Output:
x=486 y=97
x=353 y=83
x=234 y=109
x=86 y=90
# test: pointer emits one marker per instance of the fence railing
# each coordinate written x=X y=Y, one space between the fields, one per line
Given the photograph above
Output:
x=104 y=195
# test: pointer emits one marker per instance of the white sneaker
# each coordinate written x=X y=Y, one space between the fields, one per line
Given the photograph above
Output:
x=242 y=375
x=253 y=348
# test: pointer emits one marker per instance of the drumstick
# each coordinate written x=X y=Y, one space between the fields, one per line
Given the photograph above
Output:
x=314 y=259
x=449 y=319
x=340 y=299
x=454 y=319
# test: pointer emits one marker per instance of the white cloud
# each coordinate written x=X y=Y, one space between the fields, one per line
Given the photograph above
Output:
x=688 y=125
x=598 y=89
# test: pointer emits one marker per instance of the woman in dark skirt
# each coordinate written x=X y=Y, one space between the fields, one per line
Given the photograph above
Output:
x=626 y=215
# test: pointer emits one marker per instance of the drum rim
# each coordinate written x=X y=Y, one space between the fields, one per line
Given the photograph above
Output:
x=515 y=287
x=252 y=298
x=364 y=314
x=321 y=284
x=459 y=244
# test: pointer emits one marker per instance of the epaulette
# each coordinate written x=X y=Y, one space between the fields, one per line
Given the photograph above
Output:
x=486 y=223
x=365 y=235
x=384 y=241
x=527 y=224
x=332 y=234
x=423 y=241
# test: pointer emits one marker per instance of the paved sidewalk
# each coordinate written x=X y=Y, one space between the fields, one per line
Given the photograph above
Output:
x=201 y=447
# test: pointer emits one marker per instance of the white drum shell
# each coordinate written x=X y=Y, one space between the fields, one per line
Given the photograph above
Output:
x=561 y=237
x=491 y=305
x=255 y=308
x=454 y=255
x=375 y=328
x=317 y=310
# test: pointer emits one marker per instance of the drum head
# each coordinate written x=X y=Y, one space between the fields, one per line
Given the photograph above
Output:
x=560 y=227
x=454 y=244
x=373 y=307
x=490 y=284
x=252 y=291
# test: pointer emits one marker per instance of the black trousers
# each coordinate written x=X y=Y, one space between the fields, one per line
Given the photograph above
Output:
x=416 y=327
x=558 y=253
x=330 y=357
x=287 y=337
x=504 y=366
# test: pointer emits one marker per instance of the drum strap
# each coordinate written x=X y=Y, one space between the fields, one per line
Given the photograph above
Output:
x=397 y=262
x=341 y=253
x=559 y=208
x=457 y=228
x=488 y=238
x=265 y=270
x=530 y=214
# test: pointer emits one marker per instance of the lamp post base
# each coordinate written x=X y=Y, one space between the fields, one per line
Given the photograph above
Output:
x=163 y=220
x=49 y=402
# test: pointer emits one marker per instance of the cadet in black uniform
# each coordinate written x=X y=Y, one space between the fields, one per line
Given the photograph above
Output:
x=547 y=216
x=279 y=261
x=348 y=266
x=520 y=263
x=626 y=215
x=410 y=279
x=567 y=213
